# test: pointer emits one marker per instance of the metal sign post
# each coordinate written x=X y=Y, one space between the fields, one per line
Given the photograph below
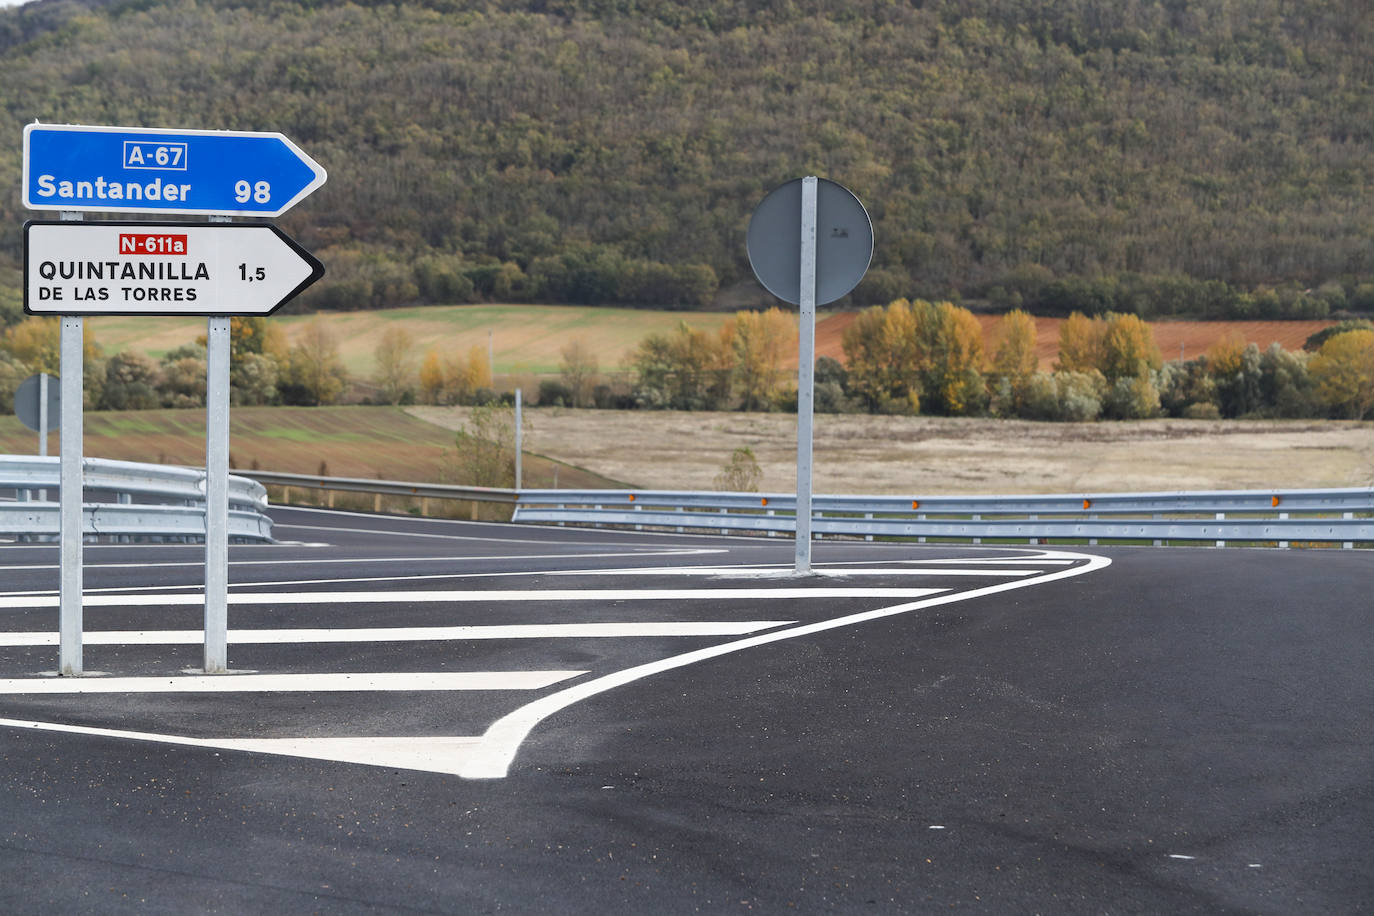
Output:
x=146 y=268
x=519 y=434
x=810 y=242
x=806 y=365
x=217 y=496
x=71 y=525
x=43 y=414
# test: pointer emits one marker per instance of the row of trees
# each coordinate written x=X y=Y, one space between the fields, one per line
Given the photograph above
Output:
x=923 y=357
x=914 y=357
x=907 y=357
x=264 y=369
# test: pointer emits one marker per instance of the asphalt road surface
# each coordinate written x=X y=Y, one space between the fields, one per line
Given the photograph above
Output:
x=450 y=717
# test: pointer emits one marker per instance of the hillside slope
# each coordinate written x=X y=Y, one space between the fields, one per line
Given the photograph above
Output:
x=588 y=151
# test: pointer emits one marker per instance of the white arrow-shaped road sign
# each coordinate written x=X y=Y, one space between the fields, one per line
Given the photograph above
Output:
x=142 y=268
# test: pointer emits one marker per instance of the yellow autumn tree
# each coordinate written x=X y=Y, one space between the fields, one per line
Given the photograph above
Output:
x=463 y=375
x=953 y=345
x=431 y=378
x=36 y=342
x=868 y=357
x=884 y=353
x=1343 y=371
x=760 y=343
x=1224 y=356
x=1128 y=348
x=1080 y=343
x=1015 y=357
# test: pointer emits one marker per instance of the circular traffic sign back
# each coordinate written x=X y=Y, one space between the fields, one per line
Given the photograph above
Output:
x=26 y=406
x=844 y=241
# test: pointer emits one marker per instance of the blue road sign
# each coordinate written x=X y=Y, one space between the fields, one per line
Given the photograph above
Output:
x=148 y=170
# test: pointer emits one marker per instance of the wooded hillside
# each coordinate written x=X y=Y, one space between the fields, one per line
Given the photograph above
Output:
x=1202 y=157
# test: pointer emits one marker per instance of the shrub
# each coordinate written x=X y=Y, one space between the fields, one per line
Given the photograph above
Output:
x=1204 y=410
x=741 y=474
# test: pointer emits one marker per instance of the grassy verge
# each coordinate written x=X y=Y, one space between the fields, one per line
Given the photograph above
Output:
x=377 y=442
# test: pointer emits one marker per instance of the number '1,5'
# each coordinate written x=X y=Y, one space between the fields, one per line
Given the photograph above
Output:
x=256 y=273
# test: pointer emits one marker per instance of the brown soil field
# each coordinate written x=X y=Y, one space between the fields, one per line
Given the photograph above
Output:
x=930 y=455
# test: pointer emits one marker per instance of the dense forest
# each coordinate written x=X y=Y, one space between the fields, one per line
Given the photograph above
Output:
x=1197 y=157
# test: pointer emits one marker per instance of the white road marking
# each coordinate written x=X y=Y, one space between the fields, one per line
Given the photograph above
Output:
x=995 y=561
x=491 y=755
x=409 y=534
x=1188 y=858
x=401 y=634
x=673 y=552
x=458 y=597
x=764 y=572
x=722 y=572
x=501 y=741
x=273 y=683
x=433 y=755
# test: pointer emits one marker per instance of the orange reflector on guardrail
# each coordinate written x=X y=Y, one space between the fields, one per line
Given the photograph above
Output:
x=915 y=504
x=764 y=501
x=632 y=497
x=1087 y=504
x=1275 y=501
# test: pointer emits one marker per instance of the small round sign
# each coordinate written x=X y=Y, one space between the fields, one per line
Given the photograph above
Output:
x=844 y=241
x=26 y=406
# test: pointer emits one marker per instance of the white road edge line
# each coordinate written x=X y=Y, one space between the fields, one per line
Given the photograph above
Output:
x=462 y=597
x=673 y=552
x=401 y=634
x=275 y=683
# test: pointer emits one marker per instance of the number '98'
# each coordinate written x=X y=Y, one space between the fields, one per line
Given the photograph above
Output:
x=259 y=193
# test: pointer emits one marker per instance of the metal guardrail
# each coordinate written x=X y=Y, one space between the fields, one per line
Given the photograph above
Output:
x=126 y=499
x=380 y=488
x=1281 y=517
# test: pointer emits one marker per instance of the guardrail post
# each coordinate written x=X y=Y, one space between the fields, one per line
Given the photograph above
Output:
x=1221 y=516
x=1283 y=516
x=124 y=499
x=1348 y=545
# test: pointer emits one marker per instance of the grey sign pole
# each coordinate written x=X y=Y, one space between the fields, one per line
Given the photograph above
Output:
x=809 y=241
x=217 y=491
x=519 y=434
x=217 y=496
x=805 y=373
x=70 y=526
x=42 y=414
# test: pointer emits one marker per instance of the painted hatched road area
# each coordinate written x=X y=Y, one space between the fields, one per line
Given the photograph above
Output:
x=445 y=664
